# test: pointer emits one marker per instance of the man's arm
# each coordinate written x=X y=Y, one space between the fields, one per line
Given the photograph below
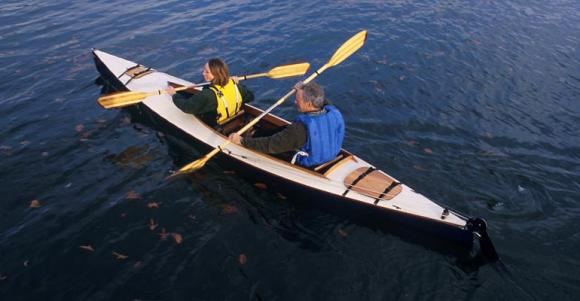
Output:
x=291 y=138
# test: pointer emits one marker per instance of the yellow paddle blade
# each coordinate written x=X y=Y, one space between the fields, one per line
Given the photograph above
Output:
x=349 y=47
x=288 y=70
x=123 y=99
x=193 y=166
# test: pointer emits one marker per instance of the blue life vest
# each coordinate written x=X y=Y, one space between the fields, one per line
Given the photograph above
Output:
x=325 y=133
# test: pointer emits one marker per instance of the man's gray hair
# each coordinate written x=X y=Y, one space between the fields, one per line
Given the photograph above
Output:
x=314 y=94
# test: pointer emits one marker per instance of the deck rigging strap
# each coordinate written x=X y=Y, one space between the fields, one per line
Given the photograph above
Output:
x=358 y=179
x=386 y=191
x=136 y=71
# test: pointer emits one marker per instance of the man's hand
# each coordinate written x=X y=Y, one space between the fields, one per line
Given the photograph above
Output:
x=235 y=138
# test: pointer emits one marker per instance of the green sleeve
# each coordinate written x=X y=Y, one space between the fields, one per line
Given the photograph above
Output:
x=247 y=95
x=197 y=103
x=292 y=138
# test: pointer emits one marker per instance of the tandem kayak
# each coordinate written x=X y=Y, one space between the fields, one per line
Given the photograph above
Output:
x=346 y=179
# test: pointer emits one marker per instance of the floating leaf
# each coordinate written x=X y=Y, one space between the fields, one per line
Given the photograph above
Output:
x=342 y=232
x=152 y=225
x=35 y=204
x=133 y=195
x=138 y=264
x=3 y=277
x=163 y=234
x=229 y=209
x=261 y=186
x=428 y=150
x=281 y=196
x=412 y=142
x=418 y=167
x=79 y=128
x=242 y=259
x=177 y=237
x=88 y=248
x=120 y=256
x=153 y=205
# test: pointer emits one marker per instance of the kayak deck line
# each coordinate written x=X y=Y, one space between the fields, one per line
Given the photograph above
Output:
x=347 y=178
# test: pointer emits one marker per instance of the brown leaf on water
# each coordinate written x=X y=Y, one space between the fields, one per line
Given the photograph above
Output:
x=342 y=232
x=86 y=135
x=177 y=237
x=152 y=224
x=35 y=204
x=153 y=205
x=87 y=247
x=138 y=264
x=261 y=186
x=229 y=172
x=120 y=256
x=229 y=209
x=428 y=150
x=79 y=128
x=163 y=234
x=412 y=142
x=242 y=259
x=133 y=195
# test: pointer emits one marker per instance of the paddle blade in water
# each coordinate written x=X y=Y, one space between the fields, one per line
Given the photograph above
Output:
x=349 y=47
x=193 y=166
x=122 y=99
x=288 y=70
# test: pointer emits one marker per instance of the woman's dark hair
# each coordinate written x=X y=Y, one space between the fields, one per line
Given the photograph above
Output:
x=220 y=72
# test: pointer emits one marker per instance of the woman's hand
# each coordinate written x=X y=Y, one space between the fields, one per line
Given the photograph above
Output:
x=170 y=90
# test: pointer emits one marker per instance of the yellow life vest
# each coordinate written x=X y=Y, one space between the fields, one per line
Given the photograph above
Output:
x=229 y=100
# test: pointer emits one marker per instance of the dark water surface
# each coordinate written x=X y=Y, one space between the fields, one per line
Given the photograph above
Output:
x=473 y=103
